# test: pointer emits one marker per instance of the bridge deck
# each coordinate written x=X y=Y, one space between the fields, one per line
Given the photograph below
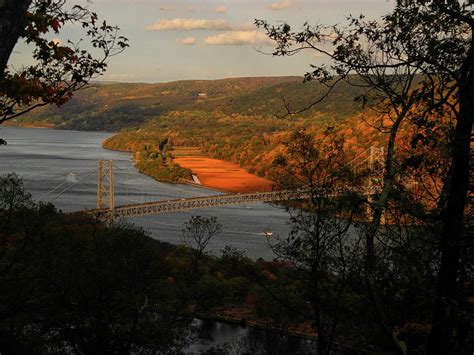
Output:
x=185 y=204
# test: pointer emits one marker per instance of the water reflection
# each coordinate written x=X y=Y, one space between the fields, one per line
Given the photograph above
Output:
x=223 y=338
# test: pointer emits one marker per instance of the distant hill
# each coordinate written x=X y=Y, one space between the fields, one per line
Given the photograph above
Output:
x=114 y=106
x=241 y=120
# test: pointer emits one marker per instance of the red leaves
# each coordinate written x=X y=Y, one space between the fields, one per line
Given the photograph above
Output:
x=55 y=25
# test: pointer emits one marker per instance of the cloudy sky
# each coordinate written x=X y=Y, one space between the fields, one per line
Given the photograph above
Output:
x=209 y=39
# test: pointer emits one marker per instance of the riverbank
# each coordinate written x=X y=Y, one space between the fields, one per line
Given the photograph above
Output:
x=27 y=124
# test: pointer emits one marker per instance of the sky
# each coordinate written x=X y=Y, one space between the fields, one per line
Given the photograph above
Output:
x=209 y=39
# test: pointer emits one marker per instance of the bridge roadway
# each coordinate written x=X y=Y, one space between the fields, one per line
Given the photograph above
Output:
x=185 y=204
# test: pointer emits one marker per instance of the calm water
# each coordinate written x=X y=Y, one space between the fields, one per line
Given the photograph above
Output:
x=238 y=339
x=60 y=166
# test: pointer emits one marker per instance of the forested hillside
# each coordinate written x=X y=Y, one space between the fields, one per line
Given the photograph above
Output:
x=242 y=120
x=112 y=107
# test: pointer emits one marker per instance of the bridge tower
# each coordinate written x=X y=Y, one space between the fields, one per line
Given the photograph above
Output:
x=376 y=167
x=105 y=186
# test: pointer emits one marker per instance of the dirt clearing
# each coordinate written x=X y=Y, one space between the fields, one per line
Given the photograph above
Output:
x=223 y=175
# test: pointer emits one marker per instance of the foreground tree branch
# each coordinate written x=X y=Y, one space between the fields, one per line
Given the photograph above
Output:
x=61 y=68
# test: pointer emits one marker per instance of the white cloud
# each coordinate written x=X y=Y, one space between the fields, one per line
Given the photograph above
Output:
x=188 y=24
x=221 y=9
x=189 y=41
x=282 y=4
x=248 y=26
x=238 y=38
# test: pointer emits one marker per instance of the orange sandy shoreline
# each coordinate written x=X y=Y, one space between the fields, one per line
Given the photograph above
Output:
x=223 y=175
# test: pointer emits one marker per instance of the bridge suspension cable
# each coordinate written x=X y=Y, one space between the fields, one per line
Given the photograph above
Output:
x=157 y=206
x=67 y=188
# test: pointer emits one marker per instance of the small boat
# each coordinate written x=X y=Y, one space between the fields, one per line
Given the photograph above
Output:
x=71 y=178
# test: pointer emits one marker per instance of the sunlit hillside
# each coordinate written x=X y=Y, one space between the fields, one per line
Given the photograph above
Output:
x=115 y=106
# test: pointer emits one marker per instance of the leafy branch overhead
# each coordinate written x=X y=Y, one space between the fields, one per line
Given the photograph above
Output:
x=425 y=40
x=60 y=69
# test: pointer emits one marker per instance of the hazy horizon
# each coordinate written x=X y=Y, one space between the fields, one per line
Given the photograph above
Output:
x=197 y=79
x=209 y=39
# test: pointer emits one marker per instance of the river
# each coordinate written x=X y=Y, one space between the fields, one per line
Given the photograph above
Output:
x=61 y=166
x=47 y=158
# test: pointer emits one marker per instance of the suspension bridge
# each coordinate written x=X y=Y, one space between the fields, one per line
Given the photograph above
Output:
x=147 y=200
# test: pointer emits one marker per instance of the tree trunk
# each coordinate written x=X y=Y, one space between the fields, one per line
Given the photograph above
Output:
x=370 y=255
x=12 y=17
x=442 y=337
